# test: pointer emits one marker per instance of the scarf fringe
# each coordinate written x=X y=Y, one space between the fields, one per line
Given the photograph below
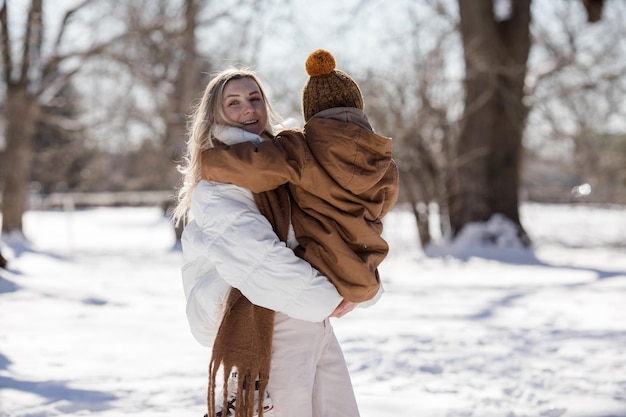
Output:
x=243 y=344
x=246 y=387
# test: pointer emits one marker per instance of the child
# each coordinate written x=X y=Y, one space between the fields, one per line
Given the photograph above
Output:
x=341 y=177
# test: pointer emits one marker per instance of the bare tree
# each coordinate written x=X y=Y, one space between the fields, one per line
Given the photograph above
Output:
x=160 y=53
x=415 y=106
x=163 y=53
x=22 y=112
x=490 y=145
x=489 y=152
x=31 y=85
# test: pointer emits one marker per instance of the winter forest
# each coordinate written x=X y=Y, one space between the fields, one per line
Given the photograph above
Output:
x=508 y=120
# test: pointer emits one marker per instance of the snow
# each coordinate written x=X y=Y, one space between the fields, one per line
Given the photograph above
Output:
x=92 y=320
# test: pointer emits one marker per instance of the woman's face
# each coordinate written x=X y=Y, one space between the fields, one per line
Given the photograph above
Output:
x=243 y=104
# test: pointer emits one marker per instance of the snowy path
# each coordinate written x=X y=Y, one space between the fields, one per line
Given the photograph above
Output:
x=92 y=322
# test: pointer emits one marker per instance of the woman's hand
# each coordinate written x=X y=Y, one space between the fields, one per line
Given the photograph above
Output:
x=343 y=308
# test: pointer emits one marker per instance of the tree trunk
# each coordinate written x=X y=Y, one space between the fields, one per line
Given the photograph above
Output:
x=489 y=151
x=22 y=112
x=421 y=215
x=187 y=88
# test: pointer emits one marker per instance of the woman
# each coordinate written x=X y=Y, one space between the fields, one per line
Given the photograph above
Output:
x=232 y=254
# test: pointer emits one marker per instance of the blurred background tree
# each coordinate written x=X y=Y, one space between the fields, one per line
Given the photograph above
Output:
x=98 y=99
x=488 y=153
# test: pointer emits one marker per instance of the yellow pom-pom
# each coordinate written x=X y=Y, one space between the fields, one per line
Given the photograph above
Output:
x=320 y=62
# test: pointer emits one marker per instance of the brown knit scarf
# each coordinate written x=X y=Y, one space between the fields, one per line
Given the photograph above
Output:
x=244 y=338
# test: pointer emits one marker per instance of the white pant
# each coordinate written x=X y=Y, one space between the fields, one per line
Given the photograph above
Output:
x=309 y=376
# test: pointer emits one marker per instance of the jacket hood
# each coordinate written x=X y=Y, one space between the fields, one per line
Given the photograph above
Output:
x=342 y=141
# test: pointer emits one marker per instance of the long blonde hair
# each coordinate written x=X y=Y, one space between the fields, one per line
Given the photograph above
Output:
x=206 y=116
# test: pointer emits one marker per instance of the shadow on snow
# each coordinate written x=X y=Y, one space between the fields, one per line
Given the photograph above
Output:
x=54 y=391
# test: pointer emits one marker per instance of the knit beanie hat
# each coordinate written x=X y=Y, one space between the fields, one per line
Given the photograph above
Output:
x=327 y=87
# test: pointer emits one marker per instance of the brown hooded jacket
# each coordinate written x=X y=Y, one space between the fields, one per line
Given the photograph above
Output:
x=342 y=180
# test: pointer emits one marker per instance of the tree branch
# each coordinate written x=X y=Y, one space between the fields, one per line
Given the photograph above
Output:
x=62 y=123
x=211 y=19
x=7 y=61
x=98 y=48
x=64 y=23
x=33 y=24
x=49 y=92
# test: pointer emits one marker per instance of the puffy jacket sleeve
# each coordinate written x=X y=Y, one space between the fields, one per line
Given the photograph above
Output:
x=273 y=163
x=249 y=256
x=206 y=296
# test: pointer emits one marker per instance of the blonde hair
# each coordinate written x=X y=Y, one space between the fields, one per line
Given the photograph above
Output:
x=205 y=117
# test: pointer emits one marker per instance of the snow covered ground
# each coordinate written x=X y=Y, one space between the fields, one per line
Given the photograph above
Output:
x=92 y=320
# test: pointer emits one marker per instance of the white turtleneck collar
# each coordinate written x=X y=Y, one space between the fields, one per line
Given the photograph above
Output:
x=232 y=135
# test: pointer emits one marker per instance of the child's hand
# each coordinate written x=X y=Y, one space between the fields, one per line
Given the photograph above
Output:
x=343 y=308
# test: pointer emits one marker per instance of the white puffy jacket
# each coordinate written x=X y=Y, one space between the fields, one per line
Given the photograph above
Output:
x=230 y=243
